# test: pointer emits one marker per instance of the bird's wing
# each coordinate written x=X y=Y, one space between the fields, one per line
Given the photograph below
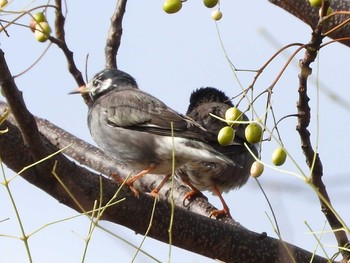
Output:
x=135 y=109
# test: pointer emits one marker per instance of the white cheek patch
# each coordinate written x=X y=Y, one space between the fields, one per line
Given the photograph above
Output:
x=101 y=86
x=106 y=84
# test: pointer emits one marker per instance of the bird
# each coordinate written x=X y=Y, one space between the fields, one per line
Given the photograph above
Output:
x=140 y=132
x=220 y=177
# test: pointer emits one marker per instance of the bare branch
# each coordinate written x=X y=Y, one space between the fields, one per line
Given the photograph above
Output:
x=60 y=41
x=313 y=159
x=114 y=35
x=308 y=14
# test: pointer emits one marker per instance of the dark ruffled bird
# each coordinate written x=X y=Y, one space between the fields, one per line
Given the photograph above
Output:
x=221 y=177
x=135 y=129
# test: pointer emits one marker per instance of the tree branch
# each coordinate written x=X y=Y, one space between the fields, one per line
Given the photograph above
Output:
x=60 y=41
x=313 y=159
x=227 y=242
x=114 y=35
x=308 y=14
x=24 y=118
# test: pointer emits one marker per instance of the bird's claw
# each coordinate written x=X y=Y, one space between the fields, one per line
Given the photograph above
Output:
x=131 y=186
x=154 y=193
x=220 y=213
x=121 y=180
x=190 y=196
x=117 y=178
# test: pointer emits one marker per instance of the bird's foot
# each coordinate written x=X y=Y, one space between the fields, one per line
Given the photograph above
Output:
x=117 y=178
x=190 y=196
x=154 y=193
x=225 y=211
x=128 y=182
x=220 y=213
x=135 y=192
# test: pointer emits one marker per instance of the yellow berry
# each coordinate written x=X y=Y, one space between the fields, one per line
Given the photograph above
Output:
x=279 y=156
x=256 y=169
x=216 y=15
x=316 y=3
x=329 y=11
x=42 y=31
x=253 y=133
x=37 y=18
x=233 y=114
x=3 y=3
x=210 y=3
x=172 y=6
x=226 y=135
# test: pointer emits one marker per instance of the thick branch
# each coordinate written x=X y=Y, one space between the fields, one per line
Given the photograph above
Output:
x=24 y=118
x=308 y=14
x=215 y=239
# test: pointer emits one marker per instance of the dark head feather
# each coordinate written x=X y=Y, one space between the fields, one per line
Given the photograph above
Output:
x=208 y=94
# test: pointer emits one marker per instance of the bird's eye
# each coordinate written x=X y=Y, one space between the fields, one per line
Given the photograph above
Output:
x=96 y=82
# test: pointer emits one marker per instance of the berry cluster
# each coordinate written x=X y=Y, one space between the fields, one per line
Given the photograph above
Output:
x=253 y=134
x=174 y=6
x=40 y=27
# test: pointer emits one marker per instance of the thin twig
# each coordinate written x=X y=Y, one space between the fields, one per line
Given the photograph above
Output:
x=60 y=41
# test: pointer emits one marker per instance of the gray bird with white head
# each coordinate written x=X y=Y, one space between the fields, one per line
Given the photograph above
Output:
x=140 y=132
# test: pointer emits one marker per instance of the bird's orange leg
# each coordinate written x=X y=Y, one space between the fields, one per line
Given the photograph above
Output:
x=121 y=180
x=130 y=182
x=155 y=191
x=139 y=175
x=226 y=210
x=193 y=193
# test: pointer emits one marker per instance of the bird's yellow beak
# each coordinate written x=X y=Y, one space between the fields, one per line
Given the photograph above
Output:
x=81 y=90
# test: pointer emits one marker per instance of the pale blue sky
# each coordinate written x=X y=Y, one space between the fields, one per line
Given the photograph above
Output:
x=170 y=55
